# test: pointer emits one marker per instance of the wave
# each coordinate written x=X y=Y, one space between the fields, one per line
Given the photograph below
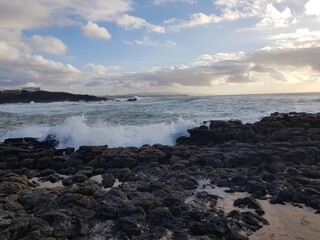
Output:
x=75 y=132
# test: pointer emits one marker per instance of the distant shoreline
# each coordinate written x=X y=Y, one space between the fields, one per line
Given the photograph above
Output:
x=47 y=97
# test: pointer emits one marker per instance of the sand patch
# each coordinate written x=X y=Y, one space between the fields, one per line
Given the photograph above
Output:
x=288 y=222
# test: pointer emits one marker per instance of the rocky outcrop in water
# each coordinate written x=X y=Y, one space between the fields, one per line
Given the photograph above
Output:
x=153 y=192
x=46 y=97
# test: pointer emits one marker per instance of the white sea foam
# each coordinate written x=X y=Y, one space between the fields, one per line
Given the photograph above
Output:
x=75 y=132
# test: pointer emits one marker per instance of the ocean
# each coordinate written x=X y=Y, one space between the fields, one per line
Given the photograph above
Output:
x=149 y=120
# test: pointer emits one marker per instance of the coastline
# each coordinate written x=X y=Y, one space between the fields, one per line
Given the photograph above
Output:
x=276 y=160
x=46 y=97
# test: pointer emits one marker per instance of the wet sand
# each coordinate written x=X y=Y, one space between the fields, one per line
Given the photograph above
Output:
x=286 y=222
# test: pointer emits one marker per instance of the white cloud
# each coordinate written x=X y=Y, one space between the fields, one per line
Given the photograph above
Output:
x=93 y=30
x=313 y=7
x=48 y=44
x=42 y=13
x=161 y=2
x=148 y=42
x=266 y=13
x=207 y=59
x=197 y=19
x=131 y=22
x=276 y=18
x=170 y=44
x=101 y=71
x=302 y=38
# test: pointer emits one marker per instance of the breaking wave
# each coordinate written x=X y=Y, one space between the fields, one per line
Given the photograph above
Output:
x=75 y=132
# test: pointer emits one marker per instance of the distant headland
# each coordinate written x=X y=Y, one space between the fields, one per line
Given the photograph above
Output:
x=27 y=95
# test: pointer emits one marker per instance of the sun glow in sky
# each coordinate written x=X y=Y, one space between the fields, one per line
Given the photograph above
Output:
x=161 y=46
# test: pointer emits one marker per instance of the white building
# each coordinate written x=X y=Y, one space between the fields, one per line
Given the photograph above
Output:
x=31 y=89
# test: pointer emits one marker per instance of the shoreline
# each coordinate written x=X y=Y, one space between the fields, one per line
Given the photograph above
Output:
x=46 y=97
x=165 y=192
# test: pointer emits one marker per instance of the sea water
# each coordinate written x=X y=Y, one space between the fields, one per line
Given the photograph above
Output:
x=147 y=121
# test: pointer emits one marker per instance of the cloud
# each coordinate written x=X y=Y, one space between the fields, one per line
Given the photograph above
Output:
x=302 y=38
x=291 y=60
x=93 y=30
x=131 y=22
x=196 y=19
x=47 y=44
x=102 y=71
x=313 y=7
x=162 y=2
x=148 y=42
x=41 y=13
x=18 y=66
x=266 y=13
x=276 y=18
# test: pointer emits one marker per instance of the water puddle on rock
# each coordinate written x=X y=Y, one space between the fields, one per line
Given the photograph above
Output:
x=47 y=184
x=206 y=186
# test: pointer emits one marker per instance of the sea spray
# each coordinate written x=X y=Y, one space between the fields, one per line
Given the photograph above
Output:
x=76 y=131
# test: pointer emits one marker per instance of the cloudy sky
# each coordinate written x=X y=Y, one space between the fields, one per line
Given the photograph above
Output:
x=161 y=46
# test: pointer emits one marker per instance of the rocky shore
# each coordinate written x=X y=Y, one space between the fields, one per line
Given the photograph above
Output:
x=46 y=97
x=162 y=192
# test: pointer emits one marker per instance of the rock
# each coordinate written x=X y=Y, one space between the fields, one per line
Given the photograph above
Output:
x=197 y=228
x=145 y=200
x=134 y=99
x=160 y=217
x=107 y=210
x=57 y=217
x=72 y=230
x=12 y=183
x=258 y=190
x=215 y=225
x=253 y=221
x=45 y=97
x=24 y=227
x=248 y=202
x=38 y=200
x=70 y=199
x=126 y=225
x=108 y=180
x=130 y=210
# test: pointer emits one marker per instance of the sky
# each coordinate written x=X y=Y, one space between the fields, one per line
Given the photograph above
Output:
x=197 y=47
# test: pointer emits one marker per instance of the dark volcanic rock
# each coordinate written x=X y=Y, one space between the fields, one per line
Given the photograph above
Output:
x=159 y=196
x=45 y=97
x=248 y=202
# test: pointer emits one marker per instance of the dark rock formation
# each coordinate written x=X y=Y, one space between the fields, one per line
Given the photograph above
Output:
x=134 y=99
x=46 y=97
